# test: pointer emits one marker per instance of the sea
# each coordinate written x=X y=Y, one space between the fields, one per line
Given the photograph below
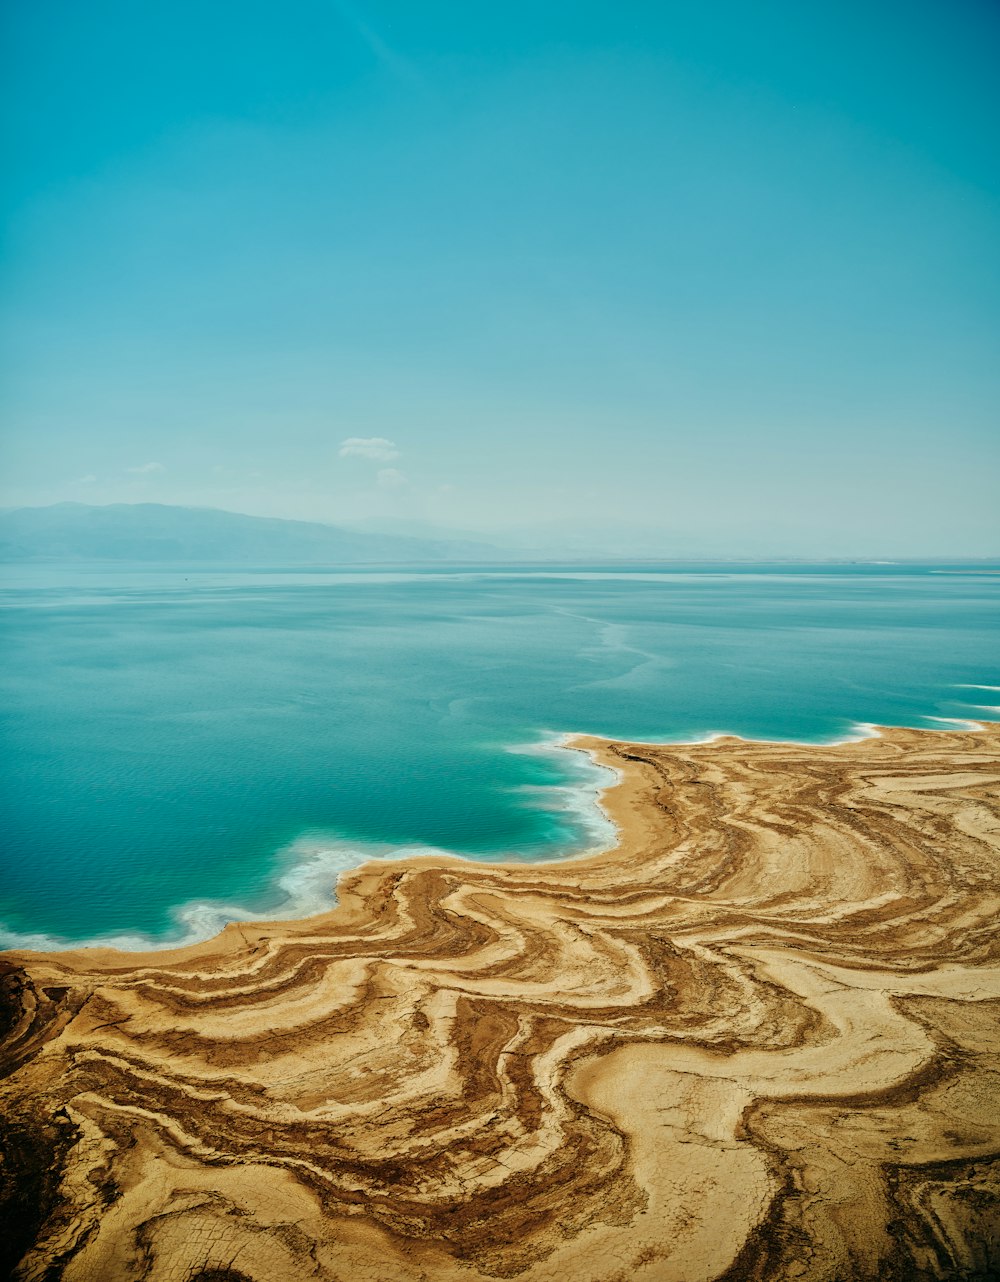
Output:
x=189 y=745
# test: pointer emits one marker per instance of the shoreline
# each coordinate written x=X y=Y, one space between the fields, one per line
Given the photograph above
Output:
x=333 y=857
x=777 y=995
x=324 y=858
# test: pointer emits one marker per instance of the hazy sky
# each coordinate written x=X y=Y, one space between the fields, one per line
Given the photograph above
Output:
x=730 y=270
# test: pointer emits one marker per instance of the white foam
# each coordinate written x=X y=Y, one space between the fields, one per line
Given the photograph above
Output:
x=305 y=887
x=578 y=798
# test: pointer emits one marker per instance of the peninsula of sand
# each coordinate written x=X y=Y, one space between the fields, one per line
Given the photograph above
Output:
x=756 y=1040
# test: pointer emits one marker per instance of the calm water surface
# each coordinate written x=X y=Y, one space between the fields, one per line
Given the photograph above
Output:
x=183 y=745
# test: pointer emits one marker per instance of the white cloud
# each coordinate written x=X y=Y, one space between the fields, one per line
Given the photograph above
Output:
x=391 y=478
x=144 y=469
x=373 y=447
x=89 y=479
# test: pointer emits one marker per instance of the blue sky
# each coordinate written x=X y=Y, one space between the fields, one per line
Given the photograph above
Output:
x=722 y=276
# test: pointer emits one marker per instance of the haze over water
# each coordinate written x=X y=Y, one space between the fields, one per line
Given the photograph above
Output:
x=186 y=745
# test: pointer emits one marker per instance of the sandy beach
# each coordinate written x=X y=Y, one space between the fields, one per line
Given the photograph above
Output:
x=756 y=1040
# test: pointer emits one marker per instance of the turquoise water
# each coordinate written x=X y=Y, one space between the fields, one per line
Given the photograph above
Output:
x=184 y=746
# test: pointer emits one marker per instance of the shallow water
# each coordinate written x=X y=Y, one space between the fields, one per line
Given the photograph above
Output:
x=185 y=745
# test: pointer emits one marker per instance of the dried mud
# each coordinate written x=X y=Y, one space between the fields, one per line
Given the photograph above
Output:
x=757 y=1040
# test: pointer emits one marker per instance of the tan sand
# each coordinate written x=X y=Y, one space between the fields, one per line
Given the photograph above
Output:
x=758 y=1040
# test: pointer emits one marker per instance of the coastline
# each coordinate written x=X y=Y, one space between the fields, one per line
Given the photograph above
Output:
x=306 y=886
x=777 y=995
x=309 y=868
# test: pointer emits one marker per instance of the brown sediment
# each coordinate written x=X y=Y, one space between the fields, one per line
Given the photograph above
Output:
x=756 y=1040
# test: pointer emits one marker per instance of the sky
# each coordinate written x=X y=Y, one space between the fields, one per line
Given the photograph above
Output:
x=677 y=276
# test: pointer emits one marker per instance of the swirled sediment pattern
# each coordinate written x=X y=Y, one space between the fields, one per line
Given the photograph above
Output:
x=757 y=1040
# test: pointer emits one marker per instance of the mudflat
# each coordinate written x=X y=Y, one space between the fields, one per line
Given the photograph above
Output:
x=756 y=1040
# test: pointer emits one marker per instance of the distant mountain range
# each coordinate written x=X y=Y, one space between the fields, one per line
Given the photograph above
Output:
x=159 y=532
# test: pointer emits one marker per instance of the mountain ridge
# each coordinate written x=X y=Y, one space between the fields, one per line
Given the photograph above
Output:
x=157 y=532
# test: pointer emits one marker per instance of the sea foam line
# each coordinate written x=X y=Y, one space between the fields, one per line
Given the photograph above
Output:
x=311 y=865
x=307 y=886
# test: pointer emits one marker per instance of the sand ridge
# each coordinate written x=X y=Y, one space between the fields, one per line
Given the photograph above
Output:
x=756 y=1040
